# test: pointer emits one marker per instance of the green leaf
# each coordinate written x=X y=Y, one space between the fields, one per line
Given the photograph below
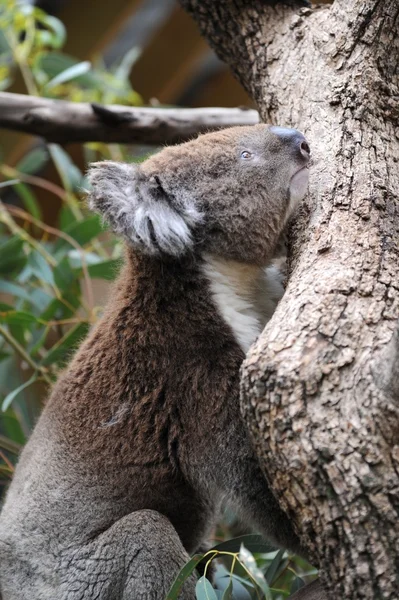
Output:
x=39 y=340
x=246 y=558
x=58 y=30
x=12 y=395
x=9 y=182
x=81 y=231
x=252 y=542
x=29 y=199
x=12 y=256
x=33 y=161
x=18 y=291
x=70 y=174
x=60 y=351
x=122 y=71
x=204 y=590
x=297 y=584
x=107 y=269
x=9 y=445
x=274 y=567
x=66 y=217
x=184 y=574
x=228 y=592
x=70 y=73
x=40 y=267
x=63 y=274
x=54 y=63
x=17 y=317
x=62 y=309
x=4 y=355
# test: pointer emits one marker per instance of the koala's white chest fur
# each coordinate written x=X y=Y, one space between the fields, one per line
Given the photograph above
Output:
x=245 y=295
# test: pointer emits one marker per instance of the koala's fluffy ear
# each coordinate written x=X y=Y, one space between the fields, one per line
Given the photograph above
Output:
x=138 y=208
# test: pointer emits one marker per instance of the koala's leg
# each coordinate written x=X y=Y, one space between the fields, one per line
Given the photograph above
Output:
x=137 y=558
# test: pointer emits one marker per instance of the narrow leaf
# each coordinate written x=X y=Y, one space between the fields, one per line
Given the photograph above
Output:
x=228 y=592
x=81 y=231
x=297 y=584
x=63 y=275
x=16 y=290
x=184 y=574
x=4 y=184
x=12 y=257
x=12 y=395
x=274 y=566
x=33 y=161
x=69 y=173
x=29 y=199
x=40 y=267
x=9 y=445
x=71 y=73
x=204 y=590
x=252 y=542
x=247 y=559
x=17 y=317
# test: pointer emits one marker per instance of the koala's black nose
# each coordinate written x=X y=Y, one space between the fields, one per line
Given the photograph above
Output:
x=295 y=138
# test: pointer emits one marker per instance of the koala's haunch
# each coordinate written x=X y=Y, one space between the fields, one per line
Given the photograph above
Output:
x=142 y=438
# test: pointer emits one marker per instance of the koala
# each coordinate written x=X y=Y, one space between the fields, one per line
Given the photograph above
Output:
x=142 y=440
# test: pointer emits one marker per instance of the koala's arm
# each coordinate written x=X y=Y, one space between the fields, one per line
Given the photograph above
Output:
x=250 y=494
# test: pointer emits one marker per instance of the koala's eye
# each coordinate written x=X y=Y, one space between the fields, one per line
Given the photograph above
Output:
x=246 y=154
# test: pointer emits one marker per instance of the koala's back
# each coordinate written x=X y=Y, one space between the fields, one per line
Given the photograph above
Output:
x=122 y=430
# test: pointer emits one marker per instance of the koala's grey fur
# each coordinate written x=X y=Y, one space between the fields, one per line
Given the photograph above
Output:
x=142 y=437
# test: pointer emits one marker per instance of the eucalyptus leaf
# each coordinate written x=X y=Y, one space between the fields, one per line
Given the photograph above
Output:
x=68 y=171
x=182 y=576
x=248 y=560
x=12 y=256
x=29 y=199
x=273 y=568
x=16 y=290
x=297 y=584
x=252 y=542
x=81 y=231
x=228 y=592
x=12 y=395
x=4 y=184
x=40 y=267
x=64 y=275
x=58 y=31
x=16 y=317
x=204 y=590
x=33 y=161
x=70 y=73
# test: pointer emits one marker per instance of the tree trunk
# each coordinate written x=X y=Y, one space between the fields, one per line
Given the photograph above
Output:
x=320 y=389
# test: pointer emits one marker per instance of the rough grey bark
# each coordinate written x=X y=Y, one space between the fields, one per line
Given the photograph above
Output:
x=61 y=121
x=320 y=389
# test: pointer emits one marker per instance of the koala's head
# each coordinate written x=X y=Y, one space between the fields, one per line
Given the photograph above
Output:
x=228 y=193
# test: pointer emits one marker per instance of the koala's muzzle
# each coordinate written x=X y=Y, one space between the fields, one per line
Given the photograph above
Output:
x=295 y=139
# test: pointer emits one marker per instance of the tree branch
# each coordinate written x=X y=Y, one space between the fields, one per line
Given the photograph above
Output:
x=62 y=122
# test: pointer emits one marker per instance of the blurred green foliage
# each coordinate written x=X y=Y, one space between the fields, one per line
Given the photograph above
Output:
x=46 y=272
x=47 y=303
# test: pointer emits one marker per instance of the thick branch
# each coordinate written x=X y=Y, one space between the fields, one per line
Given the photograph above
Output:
x=60 y=121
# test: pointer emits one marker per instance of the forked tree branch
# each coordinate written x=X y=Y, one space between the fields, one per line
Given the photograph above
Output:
x=63 y=122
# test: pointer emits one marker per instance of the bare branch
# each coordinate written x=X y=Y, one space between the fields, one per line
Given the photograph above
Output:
x=60 y=121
